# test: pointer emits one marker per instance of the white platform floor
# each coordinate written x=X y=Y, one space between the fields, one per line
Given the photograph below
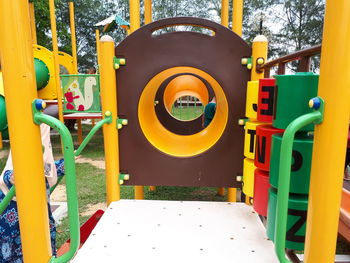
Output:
x=178 y=232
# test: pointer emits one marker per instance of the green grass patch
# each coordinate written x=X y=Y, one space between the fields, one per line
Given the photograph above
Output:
x=186 y=113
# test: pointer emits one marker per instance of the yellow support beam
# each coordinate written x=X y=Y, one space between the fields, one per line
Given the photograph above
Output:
x=56 y=58
x=237 y=17
x=98 y=47
x=330 y=137
x=221 y=191
x=134 y=15
x=73 y=37
x=32 y=22
x=224 y=12
x=139 y=195
x=18 y=71
x=110 y=131
x=148 y=11
x=1 y=145
x=232 y=195
x=260 y=46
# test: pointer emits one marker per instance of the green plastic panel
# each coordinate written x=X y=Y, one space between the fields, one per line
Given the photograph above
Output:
x=296 y=219
x=301 y=163
x=81 y=93
x=293 y=95
x=3 y=119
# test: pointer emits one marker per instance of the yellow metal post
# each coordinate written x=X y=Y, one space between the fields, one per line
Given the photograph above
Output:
x=237 y=17
x=32 y=21
x=259 y=54
x=139 y=193
x=18 y=71
x=221 y=191
x=73 y=37
x=148 y=11
x=134 y=15
x=330 y=137
x=98 y=47
x=110 y=131
x=224 y=12
x=1 y=145
x=56 y=59
x=232 y=194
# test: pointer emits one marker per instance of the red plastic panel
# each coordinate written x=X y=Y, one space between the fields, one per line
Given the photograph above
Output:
x=267 y=88
x=263 y=146
x=261 y=191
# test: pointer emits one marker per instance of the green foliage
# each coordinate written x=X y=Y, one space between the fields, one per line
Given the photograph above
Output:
x=302 y=24
x=288 y=24
x=42 y=19
x=87 y=14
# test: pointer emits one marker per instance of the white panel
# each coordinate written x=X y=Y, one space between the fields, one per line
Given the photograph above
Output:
x=174 y=232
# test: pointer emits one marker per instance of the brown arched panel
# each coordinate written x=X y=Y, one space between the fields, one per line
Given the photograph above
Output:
x=146 y=56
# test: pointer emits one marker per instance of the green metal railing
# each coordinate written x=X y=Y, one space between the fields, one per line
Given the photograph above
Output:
x=315 y=117
x=71 y=184
x=7 y=199
x=69 y=164
x=106 y=120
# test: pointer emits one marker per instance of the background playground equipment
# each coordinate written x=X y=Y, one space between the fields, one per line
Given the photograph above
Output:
x=45 y=80
x=317 y=250
x=81 y=93
x=180 y=102
x=45 y=71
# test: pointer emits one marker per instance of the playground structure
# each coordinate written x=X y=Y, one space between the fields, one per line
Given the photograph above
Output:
x=170 y=148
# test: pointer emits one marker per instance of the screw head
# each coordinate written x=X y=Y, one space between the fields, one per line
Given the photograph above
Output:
x=249 y=66
x=108 y=113
x=116 y=66
x=244 y=61
x=119 y=126
x=260 y=61
x=241 y=122
x=315 y=103
x=122 y=61
x=125 y=122
x=239 y=178
x=40 y=104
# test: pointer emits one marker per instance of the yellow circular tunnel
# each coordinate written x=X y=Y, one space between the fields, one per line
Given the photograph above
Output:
x=185 y=85
x=167 y=141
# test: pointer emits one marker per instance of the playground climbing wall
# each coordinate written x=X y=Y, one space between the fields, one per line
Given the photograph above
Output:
x=150 y=151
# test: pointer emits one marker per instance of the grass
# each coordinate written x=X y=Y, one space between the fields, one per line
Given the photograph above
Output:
x=186 y=113
x=91 y=187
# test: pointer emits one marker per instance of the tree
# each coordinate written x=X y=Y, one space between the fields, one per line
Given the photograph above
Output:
x=302 y=22
x=87 y=14
x=43 y=26
x=302 y=27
